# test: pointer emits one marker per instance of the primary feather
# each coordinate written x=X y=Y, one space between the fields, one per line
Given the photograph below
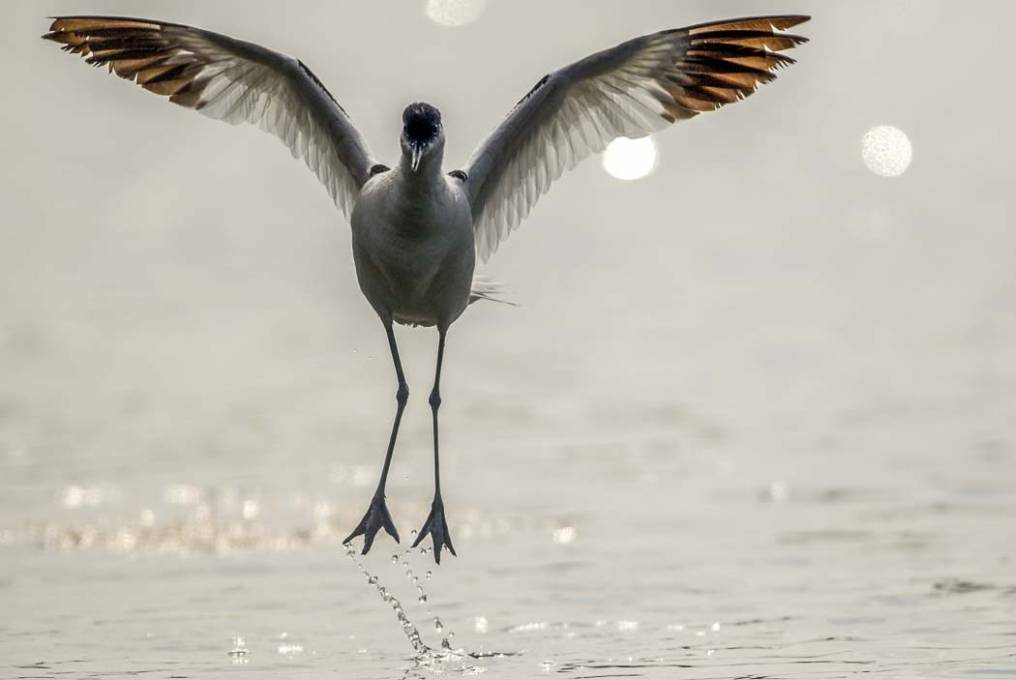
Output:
x=230 y=80
x=631 y=90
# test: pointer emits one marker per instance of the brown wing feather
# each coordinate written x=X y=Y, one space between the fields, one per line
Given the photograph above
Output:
x=632 y=89
x=231 y=80
x=726 y=61
x=136 y=50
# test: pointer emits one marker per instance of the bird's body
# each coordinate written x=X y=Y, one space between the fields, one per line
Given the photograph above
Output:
x=417 y=231
x=413 y=246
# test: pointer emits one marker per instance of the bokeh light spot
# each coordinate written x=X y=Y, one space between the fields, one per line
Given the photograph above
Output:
x=454 y=12
x=886 y=150
x=630 y=159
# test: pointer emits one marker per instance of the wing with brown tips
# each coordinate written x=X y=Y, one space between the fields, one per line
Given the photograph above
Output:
x=230 y=80
x=631 y=90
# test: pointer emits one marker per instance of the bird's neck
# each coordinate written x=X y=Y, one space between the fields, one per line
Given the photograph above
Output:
x=427 y=172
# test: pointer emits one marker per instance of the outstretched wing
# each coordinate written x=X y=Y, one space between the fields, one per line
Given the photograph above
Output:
x=230 y=80
x=630 y=90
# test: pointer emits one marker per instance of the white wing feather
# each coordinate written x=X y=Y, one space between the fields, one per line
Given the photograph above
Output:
x=233 y=81
x=631 y=90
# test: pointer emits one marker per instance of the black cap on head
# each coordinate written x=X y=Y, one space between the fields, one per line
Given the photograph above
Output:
x=421 y=122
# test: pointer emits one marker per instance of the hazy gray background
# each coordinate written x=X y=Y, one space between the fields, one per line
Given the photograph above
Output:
x=761 y=386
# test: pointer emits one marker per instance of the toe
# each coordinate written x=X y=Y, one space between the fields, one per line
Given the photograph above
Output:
x=425 y=531
x=389 y=526
x=358 y=531
x=448 y=538
x=368 y=541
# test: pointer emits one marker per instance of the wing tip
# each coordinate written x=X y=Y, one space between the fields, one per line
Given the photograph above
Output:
x=775 y=23
x=69 y=24
x=791 y=20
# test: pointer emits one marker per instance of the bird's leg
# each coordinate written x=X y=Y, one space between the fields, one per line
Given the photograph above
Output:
x=377 y=516
x=435 y=524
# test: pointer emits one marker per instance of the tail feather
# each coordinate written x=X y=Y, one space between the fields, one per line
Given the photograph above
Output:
x=486 y=289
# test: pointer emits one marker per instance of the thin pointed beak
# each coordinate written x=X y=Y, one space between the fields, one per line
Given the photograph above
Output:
x=416 y=157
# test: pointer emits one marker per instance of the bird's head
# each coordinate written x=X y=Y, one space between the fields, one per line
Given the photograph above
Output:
x=422 y=134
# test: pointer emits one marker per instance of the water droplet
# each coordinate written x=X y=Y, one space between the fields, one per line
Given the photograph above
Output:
x=422 y=599
x=395 y=559
x=438 y=626
x=428 y=575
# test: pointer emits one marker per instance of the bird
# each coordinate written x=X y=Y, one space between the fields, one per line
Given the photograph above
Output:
x=417 y=230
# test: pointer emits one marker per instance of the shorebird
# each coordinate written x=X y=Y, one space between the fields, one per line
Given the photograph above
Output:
x=416 y=230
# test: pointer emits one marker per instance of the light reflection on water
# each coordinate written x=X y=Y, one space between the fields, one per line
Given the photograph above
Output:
x=655 y=543
x=771 y=581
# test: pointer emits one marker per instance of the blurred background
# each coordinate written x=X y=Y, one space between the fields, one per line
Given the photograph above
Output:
x=752 y=416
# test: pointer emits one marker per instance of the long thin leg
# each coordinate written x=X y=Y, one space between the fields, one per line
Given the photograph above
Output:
x=435 y=524
x=377 y=516
x=401 y=397
x=435 y=404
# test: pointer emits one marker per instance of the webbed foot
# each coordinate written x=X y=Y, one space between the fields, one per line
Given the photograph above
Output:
x=438 y=530
x=377 y=517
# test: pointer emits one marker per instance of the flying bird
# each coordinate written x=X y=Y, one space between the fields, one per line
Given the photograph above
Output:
x=418 y=230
